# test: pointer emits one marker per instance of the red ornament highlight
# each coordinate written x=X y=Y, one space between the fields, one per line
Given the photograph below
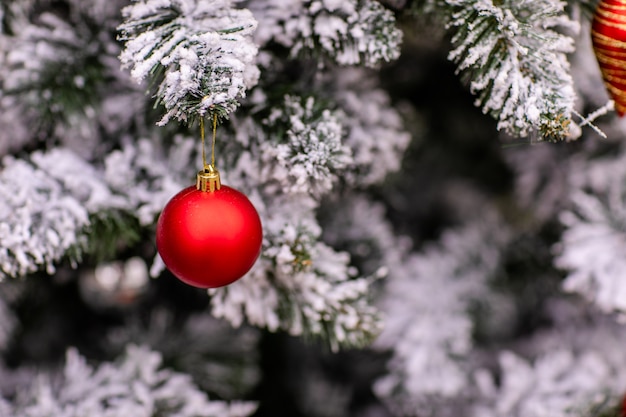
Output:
x=608 y=35
x=209 y=238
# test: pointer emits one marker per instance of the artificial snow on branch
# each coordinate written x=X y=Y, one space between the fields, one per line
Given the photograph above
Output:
x=573 y=368
x=136 y=385
x=52 y=73
x=375 y=131
x=309 y=155
x=39 y=222
x=48 y=205
x=50 y=56
x=594 y=241
x=541 y=179
x=222 y=360
x=351 y=32
x=514 y=58
x=301 y=285
x=147 y=175
x=359 y=223
x=557 y=384
x=426 y=302
x=200 y=53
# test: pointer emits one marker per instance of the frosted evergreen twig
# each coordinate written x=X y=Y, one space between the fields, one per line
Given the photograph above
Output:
x=136 y=384
x=200 y=54
x=515 y=62
x=432 y=337
x=350 y=32
x=595 y=234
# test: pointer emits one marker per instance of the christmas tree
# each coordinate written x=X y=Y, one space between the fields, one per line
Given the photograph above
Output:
x=437 y=183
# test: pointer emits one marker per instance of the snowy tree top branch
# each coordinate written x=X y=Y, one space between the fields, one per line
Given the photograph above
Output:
x=516 y=62
x=200 y=54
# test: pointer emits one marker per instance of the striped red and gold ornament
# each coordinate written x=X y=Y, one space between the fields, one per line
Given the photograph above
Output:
x=608 y=35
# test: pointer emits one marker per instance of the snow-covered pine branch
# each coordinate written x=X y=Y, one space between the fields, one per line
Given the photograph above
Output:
x=426 y=303
x=514 y=58
x=57 y=73
x=49 y=56
x=359 y=223
x=375 y=130
x=559 y=383
x=300 y=284
x=200 y=53
x=222 y=361
x=594 y=241
x=39 y=222
x=541 y=179
x=573 y=368
x=135 y=385
x=146 y=175
x=49 y=204
x=308 y=155
x=304 y=287
x=350 y=32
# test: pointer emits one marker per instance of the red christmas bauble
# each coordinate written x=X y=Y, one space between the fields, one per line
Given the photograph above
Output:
x=608 y=35
x=209 y=239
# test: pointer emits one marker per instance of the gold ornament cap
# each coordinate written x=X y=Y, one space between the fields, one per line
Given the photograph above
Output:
x=208 y=180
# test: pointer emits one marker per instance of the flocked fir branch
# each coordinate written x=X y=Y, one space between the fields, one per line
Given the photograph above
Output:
x=146 y=176
x=314 y=293
x=359 y=224
x=432 y=337
x=513 y=55
x=56 y=70
x=49 y=63
x=559 y=383
x=594 y=238
x=51 y=204
x=306 y=286
x=200 y=54
x=376 y=134
x=39 y=221
x=137 y=384
x=570 y=369
x=222 y=360
x=350 y=32
x=542 y=182
x=310 y=156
